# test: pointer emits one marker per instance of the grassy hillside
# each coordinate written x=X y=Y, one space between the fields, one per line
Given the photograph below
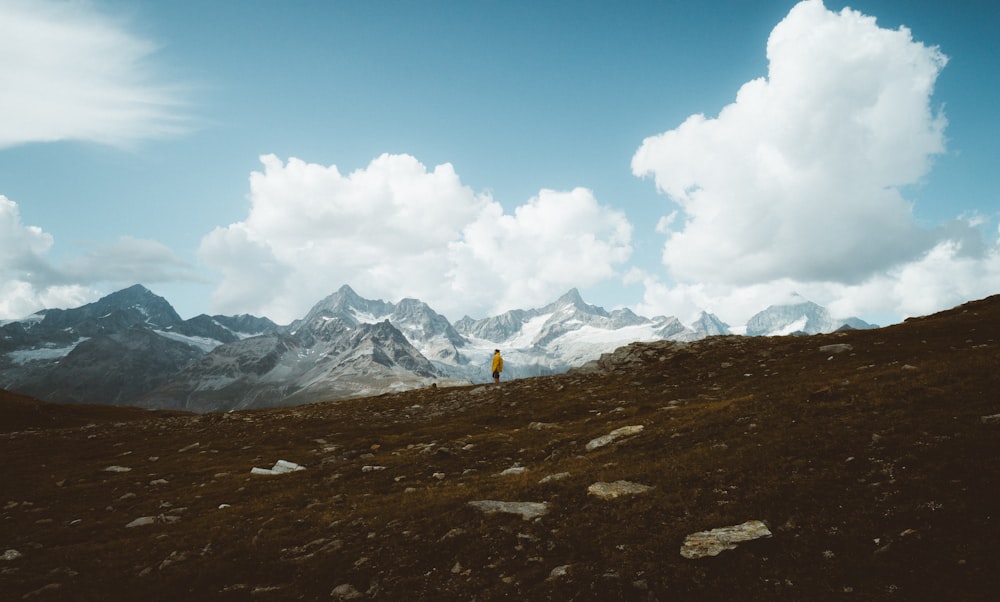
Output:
x=870 y=456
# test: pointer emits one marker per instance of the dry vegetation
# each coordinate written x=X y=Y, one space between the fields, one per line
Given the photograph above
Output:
x=872 y=466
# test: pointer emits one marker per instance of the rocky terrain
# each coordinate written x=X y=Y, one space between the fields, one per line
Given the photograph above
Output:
x=858 y=465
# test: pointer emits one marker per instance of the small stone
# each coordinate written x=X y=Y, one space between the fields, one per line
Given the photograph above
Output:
x=142 y=521
x=527 y=510
x=711 y=543
x=625 y=431
x=610 y=491
x=346 y=591
x=836 y=348
x=11 y=554
x=42 y=590
x=554 y=477
x=117 y=469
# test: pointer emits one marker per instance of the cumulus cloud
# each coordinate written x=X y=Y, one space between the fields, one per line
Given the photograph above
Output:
x=396 y=229
x=70 y=72
x=29 y=281
x=796 y=185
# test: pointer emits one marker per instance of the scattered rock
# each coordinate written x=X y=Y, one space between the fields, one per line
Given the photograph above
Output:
x=992 y=419
x=836 y=348
x=619 y=433
x=173 y=558
x=117 y=469
x=11 y=555
x=711 y=543
x=527 y=510
x=554 y=477
x=610 y=491
x=143 y=521
x=558 y=572
x=280 y=467
x=346 y=591
x=513 y=470
x=42 y=590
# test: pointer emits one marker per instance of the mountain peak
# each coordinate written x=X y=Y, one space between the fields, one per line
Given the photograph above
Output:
x=349 y=306
x=572 y=296
x=346 y=291
x=572 y=299
x=153 y=309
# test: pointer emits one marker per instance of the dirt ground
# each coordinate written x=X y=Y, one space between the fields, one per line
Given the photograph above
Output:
x=870 y=456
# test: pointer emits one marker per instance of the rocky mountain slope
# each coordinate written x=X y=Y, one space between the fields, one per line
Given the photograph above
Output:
x=131 y=348
x=113 y=350
x=858 y=465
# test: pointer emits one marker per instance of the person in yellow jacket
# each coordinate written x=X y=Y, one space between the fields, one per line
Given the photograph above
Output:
x=497 y=365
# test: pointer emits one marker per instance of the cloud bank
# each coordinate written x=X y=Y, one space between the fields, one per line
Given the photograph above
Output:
x=395 y=229
x=72 y=73
x=797 y=185
x=29 y=280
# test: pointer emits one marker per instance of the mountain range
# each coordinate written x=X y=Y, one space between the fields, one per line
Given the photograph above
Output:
x=132 y=348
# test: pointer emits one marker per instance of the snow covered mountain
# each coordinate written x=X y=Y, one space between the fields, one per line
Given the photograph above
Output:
x=565 y=333
x=431 y=332
x=132 y=348
x=112 y=350
x=325 y=358
x=799 y=316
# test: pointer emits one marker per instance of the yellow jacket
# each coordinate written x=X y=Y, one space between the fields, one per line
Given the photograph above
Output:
x=497 y=363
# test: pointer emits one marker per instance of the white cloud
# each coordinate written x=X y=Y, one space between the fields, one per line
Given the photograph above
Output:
x=25 y=274
x=944 y=276
x=796 y=185
x=395 y=229
x=29 y=281
x=129 y=260
x=798 y=177
x=72 y=73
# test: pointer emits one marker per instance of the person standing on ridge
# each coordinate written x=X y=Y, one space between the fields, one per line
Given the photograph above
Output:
x=497 y=366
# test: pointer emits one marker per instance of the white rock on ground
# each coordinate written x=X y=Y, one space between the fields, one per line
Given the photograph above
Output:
x=711 y=543
x=609 y=491
x=619 y=433
x=280 y=467
x=527 y=510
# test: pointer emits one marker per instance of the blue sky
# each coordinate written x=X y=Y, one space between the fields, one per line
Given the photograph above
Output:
x=251 y=157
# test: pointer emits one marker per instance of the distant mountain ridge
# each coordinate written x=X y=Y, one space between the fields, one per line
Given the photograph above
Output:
x=132 y=348
x=800 y=316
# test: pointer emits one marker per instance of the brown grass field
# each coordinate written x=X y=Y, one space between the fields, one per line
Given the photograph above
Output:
x=875 y=464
